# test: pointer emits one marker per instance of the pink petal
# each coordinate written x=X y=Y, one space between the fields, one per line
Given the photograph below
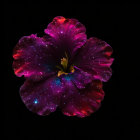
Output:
x=32 y=58
x=66 y=34
x=95 y=58
x=83 y=102
x=42 y=97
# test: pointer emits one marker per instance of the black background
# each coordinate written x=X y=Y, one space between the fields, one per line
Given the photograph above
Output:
x=117 y=118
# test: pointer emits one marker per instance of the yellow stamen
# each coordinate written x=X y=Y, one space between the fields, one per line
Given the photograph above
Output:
x=72 y=68
x=64 y=64
x=61 y=72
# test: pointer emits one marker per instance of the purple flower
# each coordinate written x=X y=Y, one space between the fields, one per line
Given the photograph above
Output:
x=62 y=69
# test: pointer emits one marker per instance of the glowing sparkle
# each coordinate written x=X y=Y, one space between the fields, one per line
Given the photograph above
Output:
x=57 y=82
x=35 y=101
x=61 y=32
x=68 y=77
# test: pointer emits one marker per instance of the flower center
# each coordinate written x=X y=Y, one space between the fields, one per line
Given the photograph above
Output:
x=64 y=68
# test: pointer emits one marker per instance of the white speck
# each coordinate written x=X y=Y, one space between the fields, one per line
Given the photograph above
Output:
x=52 y=108
x=41 y=73
x=35 y=101
x=61 y=32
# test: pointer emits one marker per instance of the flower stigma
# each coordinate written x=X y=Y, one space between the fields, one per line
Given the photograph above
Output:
x=64 y=68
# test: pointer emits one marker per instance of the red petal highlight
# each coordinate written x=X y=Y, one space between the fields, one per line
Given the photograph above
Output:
x=60 y=19
x=84 y=102
x=95 y=58
x=66 y=35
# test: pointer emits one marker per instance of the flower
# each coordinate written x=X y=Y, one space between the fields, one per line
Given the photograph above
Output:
x=62 y=69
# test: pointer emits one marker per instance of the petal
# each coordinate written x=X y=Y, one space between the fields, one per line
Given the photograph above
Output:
x=66 y=35
x=42 y=97
x=95 y=58
x=33 y=58
x=83 y=102
x=81 y=78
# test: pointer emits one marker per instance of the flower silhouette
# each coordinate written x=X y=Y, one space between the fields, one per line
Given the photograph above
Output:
x=62 y=69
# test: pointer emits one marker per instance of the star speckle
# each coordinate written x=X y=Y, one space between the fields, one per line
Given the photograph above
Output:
x=35 y=101
x=68 y=77
x=57 y=82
